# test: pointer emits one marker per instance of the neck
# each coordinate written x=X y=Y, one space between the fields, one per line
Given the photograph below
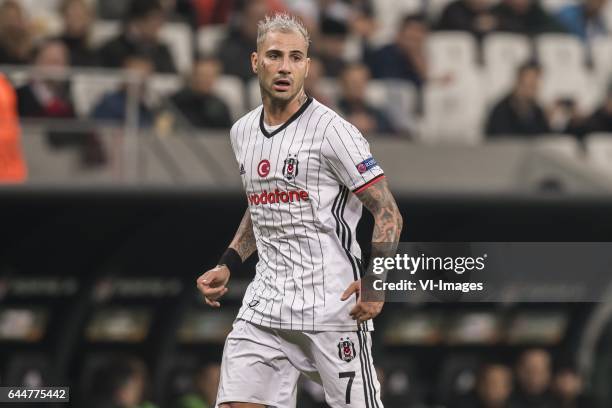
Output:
x=278 y=112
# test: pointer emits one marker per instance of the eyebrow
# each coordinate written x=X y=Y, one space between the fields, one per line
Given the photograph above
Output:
x=275 y=50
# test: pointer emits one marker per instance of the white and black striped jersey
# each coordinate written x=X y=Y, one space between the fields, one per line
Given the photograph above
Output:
x=300 y=181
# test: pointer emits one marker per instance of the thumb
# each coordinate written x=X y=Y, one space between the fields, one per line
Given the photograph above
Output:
x=353 y=288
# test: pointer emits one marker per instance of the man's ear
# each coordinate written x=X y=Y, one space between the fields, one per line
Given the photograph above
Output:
x=254 y=62
x=307 y=67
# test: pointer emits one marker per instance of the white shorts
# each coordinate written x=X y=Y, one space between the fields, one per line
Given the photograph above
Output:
x=262 y=366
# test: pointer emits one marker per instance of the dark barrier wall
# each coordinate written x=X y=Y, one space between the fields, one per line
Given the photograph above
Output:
x=87 y=235
x=180 y=233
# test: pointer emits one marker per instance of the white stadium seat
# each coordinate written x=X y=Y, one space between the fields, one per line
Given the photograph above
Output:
x=88 y=89
x=451 y=52
x=553 y=6
x=436 y=7
x=503 y=54
x=560 y=52
x=178 y=38
x=601 y=52
x=389 y=14
x=164 y=86
x=577 y=85
x=599 y=150
x=454 y=112
x=231 y=90
x=103 y=31
x=210 y=37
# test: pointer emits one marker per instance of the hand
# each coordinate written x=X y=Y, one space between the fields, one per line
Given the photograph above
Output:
x=212 y=284
x=363 y=310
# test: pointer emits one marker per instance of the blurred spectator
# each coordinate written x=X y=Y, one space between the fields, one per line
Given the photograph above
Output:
x=47 y=96
x=12 y=164
x=493 y=388
x=212 y=11
x=198 y=102
x=473 y=16
x=15 y=34
x=525 y=17
x=312 y=84
x=353 y=104
x=78 y=18
x=143 y=23
x=585 y=19
x=405 y=58
x=114 y=106
x=120 y=383
x=601 y=119
x=235 y=51
x=533 y=373
x=568 y=390
x=519 y=114
x=330 y=46
x=43 y=96
x=206 y=385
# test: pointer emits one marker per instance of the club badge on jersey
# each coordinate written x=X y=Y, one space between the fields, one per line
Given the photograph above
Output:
x=290 y=168
x=346 y=349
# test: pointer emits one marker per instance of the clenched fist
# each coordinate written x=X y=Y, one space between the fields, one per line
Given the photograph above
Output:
x=212 y=284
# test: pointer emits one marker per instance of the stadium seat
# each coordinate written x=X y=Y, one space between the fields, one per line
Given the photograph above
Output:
x=503 y=53
x=179 y=39
x=209 y=38
x=454 y=112
x=599 y=150
x=435 y=8
x=553 y=6
x=398 y=99
x=31 y=370
x=231 y=90
x=560 y=52
x=88 y=89
x=451 y=52
x=576 y=85
x=164 y=86
x=389 y=14
x=601 y=54
x=103 y=31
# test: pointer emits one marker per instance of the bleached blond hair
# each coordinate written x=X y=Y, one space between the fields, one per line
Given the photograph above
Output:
x=281 y=22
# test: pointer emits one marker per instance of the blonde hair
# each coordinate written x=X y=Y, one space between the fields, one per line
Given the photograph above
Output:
x=282 y=22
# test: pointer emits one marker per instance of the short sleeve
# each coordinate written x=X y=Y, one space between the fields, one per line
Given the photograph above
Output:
x=348 y=156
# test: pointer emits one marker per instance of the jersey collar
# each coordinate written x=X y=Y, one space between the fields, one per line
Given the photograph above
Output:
x=293 y=117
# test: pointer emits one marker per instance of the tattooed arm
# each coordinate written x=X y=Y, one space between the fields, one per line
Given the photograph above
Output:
x=213 y=283
x=385 y=238
x=244 y=240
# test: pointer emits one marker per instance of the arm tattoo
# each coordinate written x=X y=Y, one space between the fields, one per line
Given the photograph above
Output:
x=244 y=240
x=387 y=218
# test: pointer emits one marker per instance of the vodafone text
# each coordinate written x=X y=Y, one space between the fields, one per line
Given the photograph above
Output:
x=278 y=196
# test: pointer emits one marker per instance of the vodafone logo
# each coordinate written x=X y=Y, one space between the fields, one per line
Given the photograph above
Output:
x=263 y=168
x=277 y=197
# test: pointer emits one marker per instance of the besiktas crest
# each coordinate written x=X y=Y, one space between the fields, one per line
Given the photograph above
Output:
x=346 y=349
x=290 y=168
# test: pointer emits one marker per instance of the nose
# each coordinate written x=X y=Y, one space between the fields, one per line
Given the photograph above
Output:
x=285 y=67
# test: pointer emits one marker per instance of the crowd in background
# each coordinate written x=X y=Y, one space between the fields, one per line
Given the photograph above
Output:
x=533 y=381
x=138 y=48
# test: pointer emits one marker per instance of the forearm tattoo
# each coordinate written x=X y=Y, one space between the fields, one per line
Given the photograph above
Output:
x=244 y=240
x=387 y=218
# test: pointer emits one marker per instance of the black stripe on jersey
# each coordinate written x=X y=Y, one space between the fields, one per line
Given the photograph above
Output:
x=293 y=117
x=363 y=371
x=344 y=234
x=368 y=369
